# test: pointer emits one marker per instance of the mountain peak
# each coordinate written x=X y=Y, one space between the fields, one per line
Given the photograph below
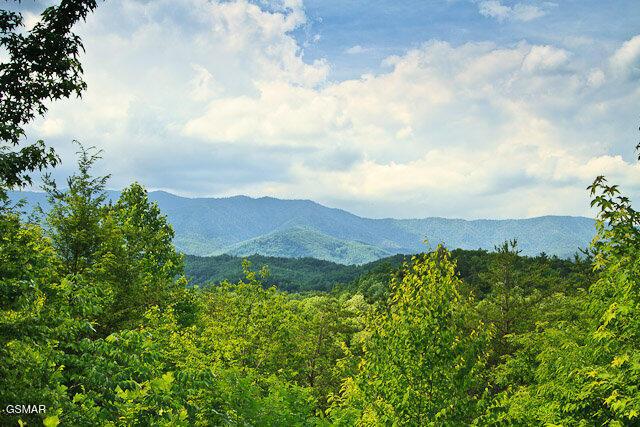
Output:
x=296 y=228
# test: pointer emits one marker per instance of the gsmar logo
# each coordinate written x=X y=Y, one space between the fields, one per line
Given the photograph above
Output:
x=25 y=409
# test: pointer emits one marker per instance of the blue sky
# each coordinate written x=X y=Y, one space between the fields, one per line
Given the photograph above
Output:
x=460 y=108
x=386 y=28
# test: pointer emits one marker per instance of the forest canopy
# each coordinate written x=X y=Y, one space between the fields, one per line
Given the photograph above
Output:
x=100 y=324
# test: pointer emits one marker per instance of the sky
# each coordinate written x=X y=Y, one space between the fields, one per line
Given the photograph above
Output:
x=405 y=109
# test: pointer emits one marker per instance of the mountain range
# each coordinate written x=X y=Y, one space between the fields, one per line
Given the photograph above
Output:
x=268 y=226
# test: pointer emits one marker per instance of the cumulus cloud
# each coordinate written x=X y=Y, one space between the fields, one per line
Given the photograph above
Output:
x=217 y=98
x=626 y=60
x=544 y=58
x=518 y=12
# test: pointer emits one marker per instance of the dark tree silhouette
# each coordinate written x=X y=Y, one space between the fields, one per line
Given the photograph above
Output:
x=42 y=65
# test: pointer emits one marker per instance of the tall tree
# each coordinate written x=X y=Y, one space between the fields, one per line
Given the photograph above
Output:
x=423 y=360
x=77 y=216
x=583 y=367
x=138 y=258
x=506 y=305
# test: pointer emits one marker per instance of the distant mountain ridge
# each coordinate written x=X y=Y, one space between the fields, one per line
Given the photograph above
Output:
x=242 y=225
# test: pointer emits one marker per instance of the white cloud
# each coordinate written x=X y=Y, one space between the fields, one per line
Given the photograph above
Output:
x=626 y=60
x=525 y=12
x=217 y=98
x=203 y=84
x=454 y=123
x=355 y=50
x=475 y=120
x=51 y=127
x=494 y=9
x=545 y=58
x=30 y=20
x=518 y=12
x=596 y=78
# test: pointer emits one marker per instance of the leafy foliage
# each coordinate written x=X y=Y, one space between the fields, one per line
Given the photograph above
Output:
x=99 y=324
x=424 y=356
x=580 y=365
x=290 y=274
x=42 y=65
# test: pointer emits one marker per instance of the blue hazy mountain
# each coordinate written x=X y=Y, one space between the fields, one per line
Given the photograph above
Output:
x=267 y=226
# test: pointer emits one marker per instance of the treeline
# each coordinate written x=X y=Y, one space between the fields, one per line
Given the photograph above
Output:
x=372 y=279
x=288 y=274
x=99 y=323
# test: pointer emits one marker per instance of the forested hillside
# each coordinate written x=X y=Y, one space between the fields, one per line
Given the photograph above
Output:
x=310 y=274
x=289 y=274
x=301 y=228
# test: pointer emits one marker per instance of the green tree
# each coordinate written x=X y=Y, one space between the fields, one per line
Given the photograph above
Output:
x=423 y=360
x=43 y=316
x=137 y=258
x=326 y=327
x=42 y=65
x=581 y=366
x=612 y=382
x=76 y=220
x=28 y=283
x=508 y=304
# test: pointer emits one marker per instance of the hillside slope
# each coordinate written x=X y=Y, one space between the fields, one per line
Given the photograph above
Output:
x=302 y=242
x=242 y=225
